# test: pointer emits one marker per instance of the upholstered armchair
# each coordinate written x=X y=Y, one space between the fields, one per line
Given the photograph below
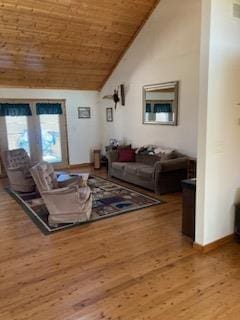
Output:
x=67 y=203
x=17 y=165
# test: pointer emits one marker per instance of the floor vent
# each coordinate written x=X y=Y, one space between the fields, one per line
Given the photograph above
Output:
x=236 y=10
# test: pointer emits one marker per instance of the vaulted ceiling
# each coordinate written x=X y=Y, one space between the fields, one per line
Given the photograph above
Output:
x=72 y=44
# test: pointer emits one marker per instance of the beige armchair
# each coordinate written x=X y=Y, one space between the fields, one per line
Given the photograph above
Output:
x=17 y=165
x=67 y=203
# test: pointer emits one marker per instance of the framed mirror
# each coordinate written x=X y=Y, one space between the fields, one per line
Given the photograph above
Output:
x=160 y=103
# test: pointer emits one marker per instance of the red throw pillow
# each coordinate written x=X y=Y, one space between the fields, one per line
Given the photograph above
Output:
x=126 y=155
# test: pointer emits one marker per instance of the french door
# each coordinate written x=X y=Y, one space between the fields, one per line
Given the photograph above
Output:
x=43 y=136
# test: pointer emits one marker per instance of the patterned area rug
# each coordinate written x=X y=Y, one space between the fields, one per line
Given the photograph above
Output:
x=109 y=199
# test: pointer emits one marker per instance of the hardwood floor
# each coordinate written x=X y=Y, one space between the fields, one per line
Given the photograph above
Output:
x=135 y=266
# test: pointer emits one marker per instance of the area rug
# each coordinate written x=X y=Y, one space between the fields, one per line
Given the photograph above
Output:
x=109 y=199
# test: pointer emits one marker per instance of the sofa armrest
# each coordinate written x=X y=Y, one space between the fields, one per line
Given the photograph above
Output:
x=73 y=181
x=171 y=165
x=112 y=156
x=168 y=175
x=65 y=200
x=23 y=172
x=61 y=191
x=22 y=169
x=16 y=174
x=82 y=193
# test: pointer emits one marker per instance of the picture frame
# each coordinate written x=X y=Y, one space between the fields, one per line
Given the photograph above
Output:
x=109 y=114
x=84 y=112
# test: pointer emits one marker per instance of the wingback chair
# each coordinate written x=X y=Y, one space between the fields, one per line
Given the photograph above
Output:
x=66 y=204
x=17 y=165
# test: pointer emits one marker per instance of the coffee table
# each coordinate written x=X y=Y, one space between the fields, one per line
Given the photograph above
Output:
x=64 y=176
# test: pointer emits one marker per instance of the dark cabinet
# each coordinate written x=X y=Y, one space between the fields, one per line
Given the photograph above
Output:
x=237 y=222
x=189 y=206
x=192 y=168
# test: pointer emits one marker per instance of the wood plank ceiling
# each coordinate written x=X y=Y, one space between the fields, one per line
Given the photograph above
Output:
x=72 y=44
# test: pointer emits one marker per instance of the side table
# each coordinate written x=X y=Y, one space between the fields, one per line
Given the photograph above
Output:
x=97 y=159
x=237 y=222
x=188 y=215
x=192 y=168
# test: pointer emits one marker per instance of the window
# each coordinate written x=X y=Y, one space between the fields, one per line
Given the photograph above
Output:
x=17 y=133
x=41 y=131
x=51 y=138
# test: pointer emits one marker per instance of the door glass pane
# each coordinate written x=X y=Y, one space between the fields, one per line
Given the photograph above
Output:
x=51 y=138
x=17 y=133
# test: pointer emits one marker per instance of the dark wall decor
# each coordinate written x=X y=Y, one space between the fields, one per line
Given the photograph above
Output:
x=122 y=92
x=84 y=113
x=117 y=96
x=109 y=114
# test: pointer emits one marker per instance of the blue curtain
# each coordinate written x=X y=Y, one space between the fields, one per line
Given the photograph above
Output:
x=148 y=107
x=49 y=108
x=15 y=109
x=162 y=108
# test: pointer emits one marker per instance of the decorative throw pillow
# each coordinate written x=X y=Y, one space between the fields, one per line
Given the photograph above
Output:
x=142 y=150
x=168 y=156
x=126 y=155
x=125 y=146
x=147 y=149
x=165 y=153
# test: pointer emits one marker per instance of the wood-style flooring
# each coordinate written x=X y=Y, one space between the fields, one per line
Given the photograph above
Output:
x=135 y=266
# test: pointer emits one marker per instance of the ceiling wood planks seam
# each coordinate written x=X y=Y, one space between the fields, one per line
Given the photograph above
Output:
x=66 y=44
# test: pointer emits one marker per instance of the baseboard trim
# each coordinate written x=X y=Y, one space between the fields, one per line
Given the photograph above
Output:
x=213 y=245
x=79 y=166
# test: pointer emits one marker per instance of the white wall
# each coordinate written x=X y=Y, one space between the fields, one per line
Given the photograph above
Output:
x=83 y=134
x=219 y=125
x=167 y=49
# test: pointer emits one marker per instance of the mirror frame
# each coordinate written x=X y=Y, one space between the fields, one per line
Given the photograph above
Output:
x=174 y=84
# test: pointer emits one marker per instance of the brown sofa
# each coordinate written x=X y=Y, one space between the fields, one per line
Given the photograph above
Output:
x=150 y=172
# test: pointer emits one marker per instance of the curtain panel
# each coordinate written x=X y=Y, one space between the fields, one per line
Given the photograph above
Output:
x=148 y=107
x=49 y=108
x=162 y=108
x=15 y=109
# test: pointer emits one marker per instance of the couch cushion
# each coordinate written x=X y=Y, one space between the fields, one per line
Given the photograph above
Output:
x=119 y=165
x=165 y=153
x=149 y=160
x=133 y=167
x=146 y=172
